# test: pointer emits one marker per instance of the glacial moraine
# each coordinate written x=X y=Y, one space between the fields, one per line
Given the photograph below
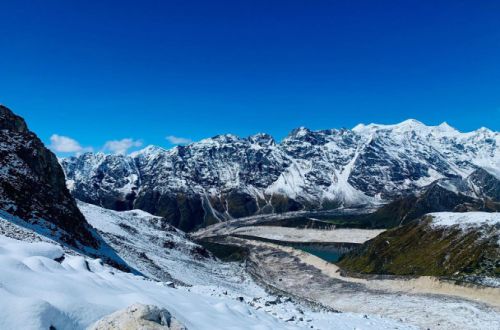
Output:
x=424 y=302
x=300 y=263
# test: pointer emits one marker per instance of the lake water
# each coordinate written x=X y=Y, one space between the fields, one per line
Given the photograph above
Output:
x=327 y=254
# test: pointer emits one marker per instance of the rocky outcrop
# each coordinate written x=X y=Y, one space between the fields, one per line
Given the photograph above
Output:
x=486 y=184
x=139 y=316
x=33 y=187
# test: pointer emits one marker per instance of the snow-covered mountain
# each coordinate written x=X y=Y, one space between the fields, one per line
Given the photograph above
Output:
x=229 y=177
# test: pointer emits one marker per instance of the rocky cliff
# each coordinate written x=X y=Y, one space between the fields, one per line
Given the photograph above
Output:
x=32 y=185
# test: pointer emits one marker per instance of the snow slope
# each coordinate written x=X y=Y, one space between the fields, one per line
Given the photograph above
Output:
x=465 y=220
x=38 y=292
x=160 y=251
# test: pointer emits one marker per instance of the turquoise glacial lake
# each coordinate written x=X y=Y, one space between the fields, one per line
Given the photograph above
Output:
x=330 y=255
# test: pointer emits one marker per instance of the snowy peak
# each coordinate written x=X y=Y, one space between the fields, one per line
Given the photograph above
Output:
x=409 y=124
x=262 y=139
x=299 y=132
x=148 y=152
x=445 y=128
x=413 y=125
x=220 y=139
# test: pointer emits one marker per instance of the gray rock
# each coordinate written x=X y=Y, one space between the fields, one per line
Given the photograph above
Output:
x=139 y=317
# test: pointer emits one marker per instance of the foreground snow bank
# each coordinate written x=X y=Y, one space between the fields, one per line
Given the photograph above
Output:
x=465 y=220
x=37 y=292
x=41 y=287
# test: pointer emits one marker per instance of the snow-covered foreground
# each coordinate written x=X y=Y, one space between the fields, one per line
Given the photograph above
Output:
x=37 y=292
x=310 y=235
x=43 y=285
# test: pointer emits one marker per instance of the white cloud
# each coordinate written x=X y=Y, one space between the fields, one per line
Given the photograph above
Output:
x=60 y=143
x=121 y=146
x=178 y=140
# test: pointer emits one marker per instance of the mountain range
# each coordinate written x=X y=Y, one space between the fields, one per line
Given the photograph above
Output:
x=227 y=177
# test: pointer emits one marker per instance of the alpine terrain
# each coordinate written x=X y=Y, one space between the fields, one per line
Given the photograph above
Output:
x=138 y=241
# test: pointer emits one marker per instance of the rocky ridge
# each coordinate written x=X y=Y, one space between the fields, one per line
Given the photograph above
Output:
x=33 y=188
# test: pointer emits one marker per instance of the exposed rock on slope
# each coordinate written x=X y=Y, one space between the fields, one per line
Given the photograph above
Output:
x=229 y=177
x=486 y=184
x=32 y=184
x=139 y=316
x=460 y=245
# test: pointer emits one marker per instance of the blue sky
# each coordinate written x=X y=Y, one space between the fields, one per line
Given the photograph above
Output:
x=100 y=71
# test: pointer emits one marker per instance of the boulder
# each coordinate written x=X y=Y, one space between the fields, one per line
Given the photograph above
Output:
x=139 y=317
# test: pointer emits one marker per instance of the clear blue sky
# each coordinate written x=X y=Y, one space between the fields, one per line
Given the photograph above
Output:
x=107 y=70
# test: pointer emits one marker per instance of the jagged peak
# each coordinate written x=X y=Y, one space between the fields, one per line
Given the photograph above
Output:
x=262 y=139
x=148 y=150
x=299 y=132
x=221 y=138
x=10 y=121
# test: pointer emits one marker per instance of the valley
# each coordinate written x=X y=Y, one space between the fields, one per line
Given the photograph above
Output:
x=248 y=233
x=426 y=302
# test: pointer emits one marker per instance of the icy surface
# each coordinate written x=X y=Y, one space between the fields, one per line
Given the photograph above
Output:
x=357 y=236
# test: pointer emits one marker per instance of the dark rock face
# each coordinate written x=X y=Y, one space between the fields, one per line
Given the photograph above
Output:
x=228 y=177
x=446 y=195
x=486 y=184
x=181 y=211
x=419 y=248
x=32 y=183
